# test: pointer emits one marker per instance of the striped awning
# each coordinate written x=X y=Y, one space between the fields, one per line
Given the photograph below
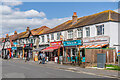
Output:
x=93 y=46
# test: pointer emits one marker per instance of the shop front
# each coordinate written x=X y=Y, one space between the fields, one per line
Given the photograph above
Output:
x=7 y=50
x=14 y=51
x=54 y=52
x=95 y=45
x=27 y=50
x=71 y=51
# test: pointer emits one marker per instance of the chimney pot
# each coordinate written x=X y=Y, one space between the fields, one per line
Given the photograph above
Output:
x=7 y=36
x=74 y=18
x=15 y=32
x=27 y=29
x=74 y=14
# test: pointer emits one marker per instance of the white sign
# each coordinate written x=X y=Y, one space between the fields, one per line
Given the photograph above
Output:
x=96 y=40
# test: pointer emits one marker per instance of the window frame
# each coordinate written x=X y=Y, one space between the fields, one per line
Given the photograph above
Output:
x=70 y=34
x=80 y=30
x=43 y=38
x=48 y=37
x=52 y=36
x=58 y=35
x=87 y=31
x=100 y=26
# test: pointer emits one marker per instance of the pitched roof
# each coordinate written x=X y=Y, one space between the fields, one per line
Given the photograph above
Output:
x=24 y=34
x=40 y=30
x=33 y=32
x=104 y=16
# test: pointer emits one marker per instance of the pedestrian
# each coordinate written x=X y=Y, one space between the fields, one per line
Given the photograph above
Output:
x=43 y=58
x=40 y=58
x=8 y=55
x=12 y=54
x=25 y=56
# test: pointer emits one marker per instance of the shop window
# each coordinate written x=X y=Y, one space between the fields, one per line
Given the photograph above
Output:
x=80 y=33
x=52 y=36
x=87 y=32
x=42 y=38
x=58 y=35
x=100 y=30
x=70 y=34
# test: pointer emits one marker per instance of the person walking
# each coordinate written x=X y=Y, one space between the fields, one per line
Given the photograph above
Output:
x=25 y=56
x=43 y=58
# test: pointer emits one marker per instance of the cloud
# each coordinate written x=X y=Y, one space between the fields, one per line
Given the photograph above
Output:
x=5 y=9
x=14 y=19
x=10 y=25
x=11 y=2
x=117 y=10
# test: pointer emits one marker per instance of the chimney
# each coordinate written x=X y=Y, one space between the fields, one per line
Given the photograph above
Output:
x=27 y=29
x=15 y=32
x=74 y=18
x=7 y=36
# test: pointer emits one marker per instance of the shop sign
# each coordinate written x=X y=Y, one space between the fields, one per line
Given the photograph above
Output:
x=58 y=43
x=72 y=43
x=15 y=43
x=96 y=40
x=14 y=48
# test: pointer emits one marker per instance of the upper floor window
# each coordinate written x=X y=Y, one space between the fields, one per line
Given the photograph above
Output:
x=52 y=36
x=31 y=41
x=80 y=33
x=58 y=35
x=34 y=40
x=100 y=29
x=70 y=34
x=88 y=31
x=48 y=38
x=42 y=38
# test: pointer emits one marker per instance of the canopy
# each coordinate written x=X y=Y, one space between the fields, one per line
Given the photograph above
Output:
x=50 y=49
x=93 y=46
x=39 y=49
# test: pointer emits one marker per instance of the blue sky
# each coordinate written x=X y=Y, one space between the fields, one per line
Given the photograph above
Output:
x=19 y=15
x=66 y=9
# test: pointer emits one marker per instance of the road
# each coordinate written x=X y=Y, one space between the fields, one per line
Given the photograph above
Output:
x=11 y=69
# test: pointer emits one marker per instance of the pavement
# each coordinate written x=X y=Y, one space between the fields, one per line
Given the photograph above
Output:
x=32 y=69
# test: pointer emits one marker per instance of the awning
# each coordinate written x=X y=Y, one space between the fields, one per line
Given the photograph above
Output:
x=93 y=46
x=50 y=49
x=39 y=49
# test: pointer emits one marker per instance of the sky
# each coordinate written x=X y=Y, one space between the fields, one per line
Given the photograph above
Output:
x=17 y=15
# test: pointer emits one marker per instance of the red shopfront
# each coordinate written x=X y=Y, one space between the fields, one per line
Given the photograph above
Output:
x=54 y=50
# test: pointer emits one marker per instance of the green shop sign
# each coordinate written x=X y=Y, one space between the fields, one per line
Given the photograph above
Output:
x=72 y=43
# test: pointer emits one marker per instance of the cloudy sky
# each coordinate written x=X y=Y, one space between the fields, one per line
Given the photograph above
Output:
x=17 y=15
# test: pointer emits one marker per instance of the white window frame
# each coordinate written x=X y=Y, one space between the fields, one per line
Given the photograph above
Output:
x=102 y=30
x=58 y=35
x=70 y=34
x=87 y=31
x=80 y=32
x=52 y=36
x=47 y=37
x=43 y=38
